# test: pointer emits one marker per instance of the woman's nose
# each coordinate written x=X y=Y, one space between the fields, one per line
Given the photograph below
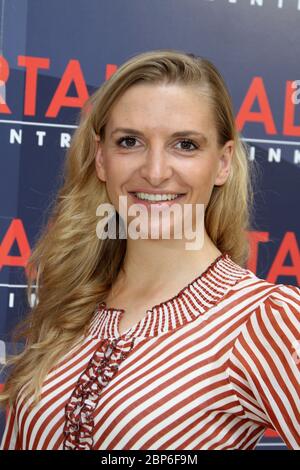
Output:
x=156 y=166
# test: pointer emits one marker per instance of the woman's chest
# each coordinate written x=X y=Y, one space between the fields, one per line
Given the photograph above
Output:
x=131 y=310
x=164 y=395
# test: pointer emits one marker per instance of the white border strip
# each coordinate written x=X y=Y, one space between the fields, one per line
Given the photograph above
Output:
x=15 y=285
x=30 y=123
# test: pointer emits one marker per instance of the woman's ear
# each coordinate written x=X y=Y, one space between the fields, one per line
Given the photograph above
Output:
x=225 y=161
x=99 y=161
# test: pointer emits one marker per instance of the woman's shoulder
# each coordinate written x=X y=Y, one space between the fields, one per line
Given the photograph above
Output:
x=282 y=304
x=263 y=298
x=254 y=284
x=264 y=362
x=285 y=294
x=271 y=310
x=270 y=318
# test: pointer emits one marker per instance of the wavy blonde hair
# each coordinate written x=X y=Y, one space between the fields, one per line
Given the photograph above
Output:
x=74 y=269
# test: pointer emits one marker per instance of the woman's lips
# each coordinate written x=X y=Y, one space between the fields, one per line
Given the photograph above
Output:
x=156 y=203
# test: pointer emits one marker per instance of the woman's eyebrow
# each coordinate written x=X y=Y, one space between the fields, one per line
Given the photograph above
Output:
x=176 y=134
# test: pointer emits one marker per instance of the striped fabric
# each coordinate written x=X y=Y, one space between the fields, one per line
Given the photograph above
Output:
x=211 y=368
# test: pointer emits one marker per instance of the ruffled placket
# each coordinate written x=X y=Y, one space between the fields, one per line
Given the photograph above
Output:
x=80 y=409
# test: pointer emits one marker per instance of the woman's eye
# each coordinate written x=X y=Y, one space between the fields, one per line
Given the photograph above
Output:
x=131 y=140
x=187 y=143
x=127 y=138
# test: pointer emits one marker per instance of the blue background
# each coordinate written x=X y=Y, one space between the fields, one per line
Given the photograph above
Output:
x=242 y=40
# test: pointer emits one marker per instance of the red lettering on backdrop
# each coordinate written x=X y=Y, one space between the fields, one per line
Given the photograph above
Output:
x=255 y=238
x=110 y=70
x=32 y=65
x=4 y=74
x=15 y=233
x=289 y=128
x=289 y=246
x=73 y=73
x=256 y=91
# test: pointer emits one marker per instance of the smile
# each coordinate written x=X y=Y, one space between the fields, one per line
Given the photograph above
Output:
x=158 y=199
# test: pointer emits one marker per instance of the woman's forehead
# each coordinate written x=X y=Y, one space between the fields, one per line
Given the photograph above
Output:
x=158 y=111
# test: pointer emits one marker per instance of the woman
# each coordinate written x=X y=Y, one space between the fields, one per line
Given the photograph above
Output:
x=141 y=343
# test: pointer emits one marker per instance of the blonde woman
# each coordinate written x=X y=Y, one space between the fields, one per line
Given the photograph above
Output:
x=139 y=342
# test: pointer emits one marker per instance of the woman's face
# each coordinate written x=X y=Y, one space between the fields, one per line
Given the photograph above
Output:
x=148 y=157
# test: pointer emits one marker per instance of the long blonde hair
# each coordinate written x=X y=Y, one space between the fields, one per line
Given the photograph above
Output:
x=74 y=269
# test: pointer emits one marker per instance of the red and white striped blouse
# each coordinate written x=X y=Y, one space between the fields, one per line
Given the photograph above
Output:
x=210 y=368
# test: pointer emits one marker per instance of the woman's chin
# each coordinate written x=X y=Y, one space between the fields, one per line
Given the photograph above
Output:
x=153 y=231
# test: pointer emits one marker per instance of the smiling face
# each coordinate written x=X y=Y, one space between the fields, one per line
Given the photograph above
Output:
x=148 y=157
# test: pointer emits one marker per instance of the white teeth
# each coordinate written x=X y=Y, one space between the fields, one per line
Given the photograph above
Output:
x=156 y=197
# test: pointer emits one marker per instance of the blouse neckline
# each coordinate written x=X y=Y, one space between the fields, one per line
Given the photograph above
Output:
x=200 y=295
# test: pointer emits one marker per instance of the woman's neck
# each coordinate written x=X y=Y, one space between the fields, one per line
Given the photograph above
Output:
x=153 y=263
